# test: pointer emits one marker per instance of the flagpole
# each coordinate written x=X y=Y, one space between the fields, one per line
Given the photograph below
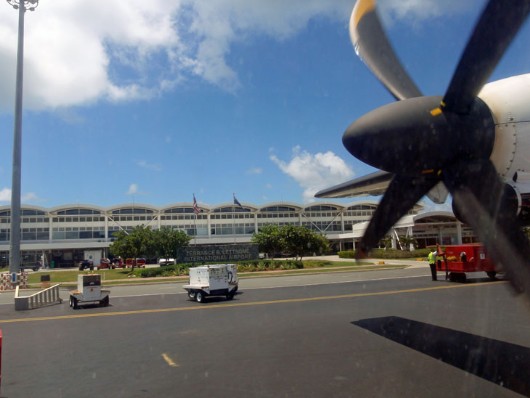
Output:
x=196 y=210
x=236 y=203
x=234 y=217
x=195 y=225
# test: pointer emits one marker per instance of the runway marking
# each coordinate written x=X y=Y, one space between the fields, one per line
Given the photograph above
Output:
x=200 y=307
x=169 y=361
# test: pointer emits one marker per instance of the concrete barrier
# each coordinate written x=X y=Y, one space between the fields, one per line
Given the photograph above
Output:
x=49 y=296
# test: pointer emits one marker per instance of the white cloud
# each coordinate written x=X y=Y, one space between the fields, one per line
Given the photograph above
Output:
x=422 y=10
x=5 y=195
x=79 y=52
x=30 y=197
x=255 y=170
x=133 y=189
x=149 y=166
x=314 y=171
x=83 y=51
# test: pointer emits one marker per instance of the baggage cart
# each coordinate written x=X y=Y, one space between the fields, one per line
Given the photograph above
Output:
x=89 y=292
x=212 y=280
x=466 y=258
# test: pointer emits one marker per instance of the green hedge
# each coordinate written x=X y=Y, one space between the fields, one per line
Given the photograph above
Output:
x=389 y=253
x=243 y=266
x=268 y=265
x=271 y=265
x=166 y=270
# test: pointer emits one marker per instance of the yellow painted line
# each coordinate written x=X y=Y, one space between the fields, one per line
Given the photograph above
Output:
x=200 y=307
x=169 y=361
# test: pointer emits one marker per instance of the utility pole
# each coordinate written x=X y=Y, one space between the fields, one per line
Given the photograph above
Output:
x=14 y=248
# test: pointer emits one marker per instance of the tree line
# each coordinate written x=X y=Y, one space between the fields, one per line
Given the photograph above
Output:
x=274 y=240
x=144 y=241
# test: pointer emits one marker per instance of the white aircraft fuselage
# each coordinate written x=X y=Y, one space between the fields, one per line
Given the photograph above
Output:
x=509 y=102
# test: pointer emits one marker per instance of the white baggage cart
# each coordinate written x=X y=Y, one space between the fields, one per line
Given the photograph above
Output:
x=212 y=280
x=89 y=292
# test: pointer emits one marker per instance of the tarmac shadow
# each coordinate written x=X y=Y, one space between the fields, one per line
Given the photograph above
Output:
x=499 y=362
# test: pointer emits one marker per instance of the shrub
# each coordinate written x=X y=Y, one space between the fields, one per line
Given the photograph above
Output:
x=347 y=254
x=389 y=253
x=167 y=270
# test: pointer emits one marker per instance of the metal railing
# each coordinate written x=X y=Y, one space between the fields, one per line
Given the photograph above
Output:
x=43 y=298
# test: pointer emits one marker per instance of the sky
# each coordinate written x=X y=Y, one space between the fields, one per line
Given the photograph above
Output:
x=154 y=101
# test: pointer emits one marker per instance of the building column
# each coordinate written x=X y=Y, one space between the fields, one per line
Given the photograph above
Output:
x=411 y=235
x=458 y=233
x=50 y=227
x=107 y=237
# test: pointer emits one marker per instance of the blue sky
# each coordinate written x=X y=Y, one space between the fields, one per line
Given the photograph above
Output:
x=150 y=102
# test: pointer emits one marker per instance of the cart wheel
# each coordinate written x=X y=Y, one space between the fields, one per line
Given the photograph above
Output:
x=74 y=305
x=199 y=296
x=191 y=295
x=230 y=296
x=104 y=302
x=71 y=302
x=492 y=275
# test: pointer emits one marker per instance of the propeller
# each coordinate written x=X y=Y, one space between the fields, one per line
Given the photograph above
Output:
x=425 y=140
x=372 y=45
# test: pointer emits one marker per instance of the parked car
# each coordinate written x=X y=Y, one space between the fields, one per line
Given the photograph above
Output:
x=117 y=262
x=166 y=261
x=140 y=262
x=86 y=264
x=105 y=263
x=33 y=267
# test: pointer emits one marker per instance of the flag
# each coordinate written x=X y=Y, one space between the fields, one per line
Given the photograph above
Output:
x=196 y=208
x=236 y=202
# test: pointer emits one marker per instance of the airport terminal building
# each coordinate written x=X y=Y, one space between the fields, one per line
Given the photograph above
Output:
x=64 y=235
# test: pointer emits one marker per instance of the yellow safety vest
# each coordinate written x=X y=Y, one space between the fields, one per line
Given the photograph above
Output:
x=432 y=258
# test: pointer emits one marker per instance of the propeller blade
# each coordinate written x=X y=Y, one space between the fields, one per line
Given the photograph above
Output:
x=402 y=194
x=484 y=203
x=499 y=23
x=373 y=47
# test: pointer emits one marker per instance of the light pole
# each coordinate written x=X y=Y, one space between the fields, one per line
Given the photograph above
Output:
x=14 y=247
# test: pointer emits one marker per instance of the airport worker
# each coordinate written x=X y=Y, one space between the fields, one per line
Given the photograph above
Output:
x=440 y=256
x=432 y=264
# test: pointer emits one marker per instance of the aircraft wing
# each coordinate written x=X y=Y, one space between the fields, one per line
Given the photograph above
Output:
x=375 y=184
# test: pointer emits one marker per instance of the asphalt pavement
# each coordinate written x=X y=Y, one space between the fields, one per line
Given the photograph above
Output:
x=387 y=333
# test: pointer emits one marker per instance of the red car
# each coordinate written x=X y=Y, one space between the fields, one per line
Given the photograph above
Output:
x=140 y=262
x=105 y=263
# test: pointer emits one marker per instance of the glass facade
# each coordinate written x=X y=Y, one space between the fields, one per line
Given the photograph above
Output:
x=87 y=225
